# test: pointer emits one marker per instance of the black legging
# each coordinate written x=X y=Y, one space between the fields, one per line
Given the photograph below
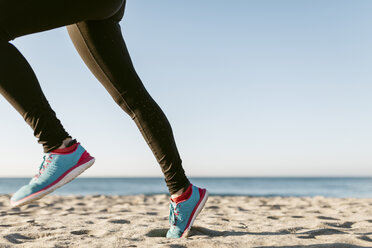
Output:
x=95 y=31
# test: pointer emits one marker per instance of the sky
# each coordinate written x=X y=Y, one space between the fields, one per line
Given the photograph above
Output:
x=251 y=88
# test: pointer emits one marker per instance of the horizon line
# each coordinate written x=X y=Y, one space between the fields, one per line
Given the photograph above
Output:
x=160 y=177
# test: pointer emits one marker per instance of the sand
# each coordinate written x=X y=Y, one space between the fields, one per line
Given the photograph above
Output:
x=226 y=221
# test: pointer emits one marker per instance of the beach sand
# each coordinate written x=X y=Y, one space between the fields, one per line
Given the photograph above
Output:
x=226 y=221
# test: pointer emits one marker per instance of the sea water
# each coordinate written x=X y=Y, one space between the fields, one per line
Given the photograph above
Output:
x=360 y=187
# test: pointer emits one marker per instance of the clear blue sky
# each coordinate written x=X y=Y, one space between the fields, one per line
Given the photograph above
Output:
x=251 y=88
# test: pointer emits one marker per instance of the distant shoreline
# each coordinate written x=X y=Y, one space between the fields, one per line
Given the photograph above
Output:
x=210 y=177
x=341 y=187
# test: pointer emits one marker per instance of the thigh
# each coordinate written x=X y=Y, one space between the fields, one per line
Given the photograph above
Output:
x=103 y=49
x=22 y=17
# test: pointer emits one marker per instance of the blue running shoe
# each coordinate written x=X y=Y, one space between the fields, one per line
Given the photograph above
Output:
x=59 y=167
x=183 y=213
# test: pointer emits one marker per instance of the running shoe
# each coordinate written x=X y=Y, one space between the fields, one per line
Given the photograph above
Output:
x=183 y=213
x=59 y=167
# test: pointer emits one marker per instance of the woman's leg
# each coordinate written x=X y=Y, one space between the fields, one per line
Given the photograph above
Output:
x=18 y=83
x=102 y=47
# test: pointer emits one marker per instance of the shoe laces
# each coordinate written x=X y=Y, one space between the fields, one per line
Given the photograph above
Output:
x=174 y=214
x=47 y=159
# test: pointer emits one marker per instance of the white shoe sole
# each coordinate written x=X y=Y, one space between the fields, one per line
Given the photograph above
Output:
x=68 y=178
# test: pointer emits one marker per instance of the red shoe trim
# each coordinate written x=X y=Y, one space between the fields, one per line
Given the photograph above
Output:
x=185 y=195
x=66 y=150
x=83 y=159
x=202 y=194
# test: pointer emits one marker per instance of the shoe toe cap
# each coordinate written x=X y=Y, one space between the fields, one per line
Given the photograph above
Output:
x=174 y=233
x=23 y=192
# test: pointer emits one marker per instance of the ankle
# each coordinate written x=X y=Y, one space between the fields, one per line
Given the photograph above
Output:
x=181 y=191
x=65 y=143
x=178 y=193
x=186 y=192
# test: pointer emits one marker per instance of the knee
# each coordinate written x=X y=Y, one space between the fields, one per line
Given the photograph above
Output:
x=119 y=14
x=4 y=36
x=109 y=8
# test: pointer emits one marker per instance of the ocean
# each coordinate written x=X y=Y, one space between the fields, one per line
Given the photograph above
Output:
x=358 y=187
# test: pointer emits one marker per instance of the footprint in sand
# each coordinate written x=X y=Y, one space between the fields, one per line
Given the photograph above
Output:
x=102 y=218
x=17 y=238
x=151 y=213
x=275 y=207
x=347 y=224
x=327 y=218
x=119 y=221
x=80 y=232
x=365 y=238
x=297 y=216
x=32 y=206
x=272 y=217
x=212 y=207
x=290 y=230
x=324 y=231
x=243 y=226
